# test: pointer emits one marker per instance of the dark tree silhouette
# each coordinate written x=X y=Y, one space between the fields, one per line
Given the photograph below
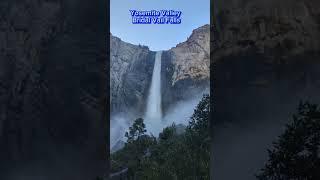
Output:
x=198 y=141
x=295 y=156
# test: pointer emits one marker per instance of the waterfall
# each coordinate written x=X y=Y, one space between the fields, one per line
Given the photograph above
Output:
x=153 y=116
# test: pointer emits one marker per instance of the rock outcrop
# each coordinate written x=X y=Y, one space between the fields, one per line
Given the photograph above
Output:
x=187 y=68
x=191 y=59
x=53 y=89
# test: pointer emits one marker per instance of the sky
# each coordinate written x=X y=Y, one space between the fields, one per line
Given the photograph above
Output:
x=195 y=13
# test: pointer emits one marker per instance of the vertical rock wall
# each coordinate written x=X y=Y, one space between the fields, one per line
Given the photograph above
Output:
x=53 y=89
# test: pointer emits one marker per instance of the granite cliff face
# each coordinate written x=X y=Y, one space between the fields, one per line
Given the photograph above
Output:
x=289 y=27
x=265 y=46
x=131 y=71
x=266 y=58
x=185 y=70
x=52 y=89
x=191 y=59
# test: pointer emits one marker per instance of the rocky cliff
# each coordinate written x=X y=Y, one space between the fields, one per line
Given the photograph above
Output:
x=284 y=28
x=261 y=45
x=185 y=66
x=52 y=89
x=265 y=60
x=131 y=70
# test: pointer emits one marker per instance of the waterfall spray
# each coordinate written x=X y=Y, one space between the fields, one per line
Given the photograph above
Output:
x=153 y=116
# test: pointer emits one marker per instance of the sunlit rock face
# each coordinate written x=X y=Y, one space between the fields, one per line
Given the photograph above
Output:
x=191 y=59
x=187 y=67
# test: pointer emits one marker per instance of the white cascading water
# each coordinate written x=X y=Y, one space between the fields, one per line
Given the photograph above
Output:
x=153 y=116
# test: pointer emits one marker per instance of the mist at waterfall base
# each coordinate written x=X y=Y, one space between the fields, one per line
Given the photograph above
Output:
x=180 y=113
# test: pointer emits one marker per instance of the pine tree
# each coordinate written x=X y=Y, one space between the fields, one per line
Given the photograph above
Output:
x=295 y=156
x=136 y=130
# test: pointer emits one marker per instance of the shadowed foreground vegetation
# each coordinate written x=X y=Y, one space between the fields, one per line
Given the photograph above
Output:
x=296 y=153
x=175 y=154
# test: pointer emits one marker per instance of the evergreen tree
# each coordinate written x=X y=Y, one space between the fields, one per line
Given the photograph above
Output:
x=136 y=130
x=136 y=147
x=295 y=156
x=198 y=140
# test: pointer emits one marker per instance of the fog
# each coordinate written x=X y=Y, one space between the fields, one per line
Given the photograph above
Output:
x=180 y=113
x=119 y=124
x=242 y=149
